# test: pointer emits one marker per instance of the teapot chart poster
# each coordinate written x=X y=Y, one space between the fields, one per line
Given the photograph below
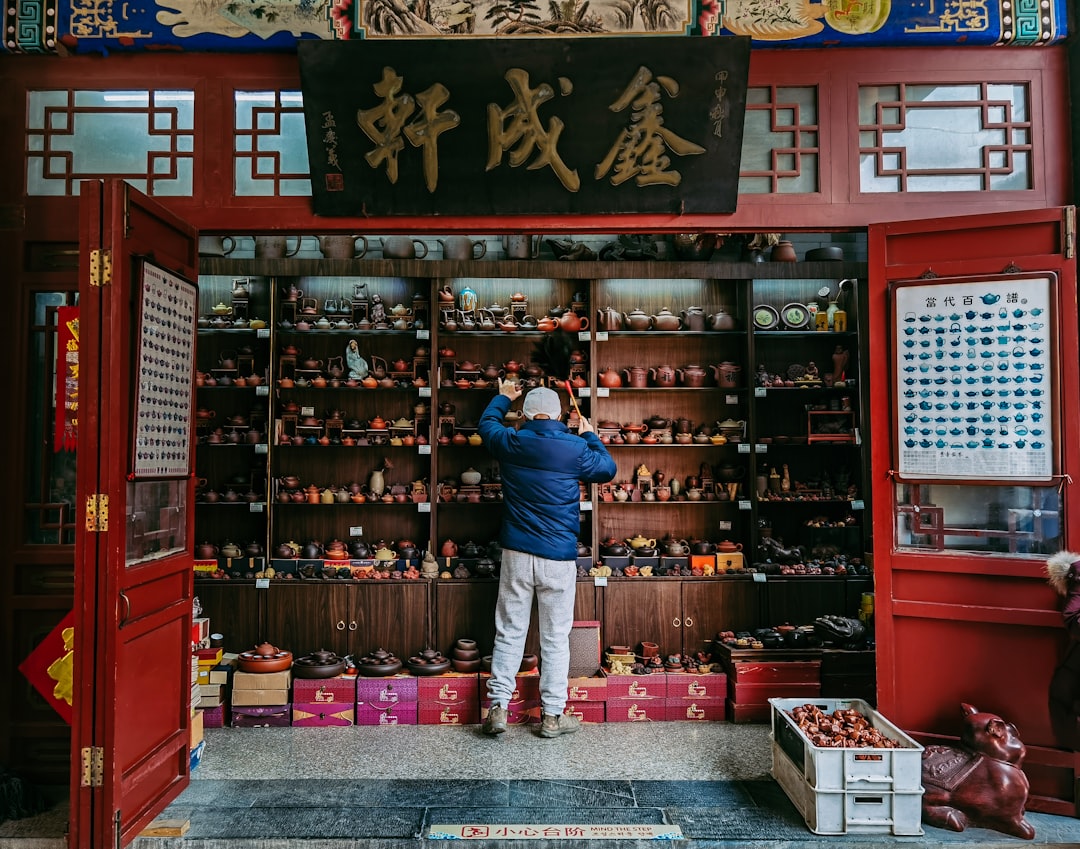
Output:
x=973 y=378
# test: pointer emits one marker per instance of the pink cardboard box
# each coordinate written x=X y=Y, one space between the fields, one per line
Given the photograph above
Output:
x=457 y=713
x=261 y=716
x=395 y=713
x=586 y=711
x=685 y=685
x=635 y=710
x=592 y=689
x=214 y=717
x=322 y=714
x=526 y=712
x=696 y=710
x=339 y=690
x=448 y=689
x=387 y=691
x=637 y=686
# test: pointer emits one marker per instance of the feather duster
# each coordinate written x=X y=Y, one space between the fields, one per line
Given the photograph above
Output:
x=1058 y=568
x=552 y=354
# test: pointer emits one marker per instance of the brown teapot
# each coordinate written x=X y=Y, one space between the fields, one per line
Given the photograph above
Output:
x=610 y=378
x=608 y=318
x=637 y=320
x=692 y=375
x=637 y=377
x=727 y=374
x=663 y=376
x=206 y=551
x=666 y=320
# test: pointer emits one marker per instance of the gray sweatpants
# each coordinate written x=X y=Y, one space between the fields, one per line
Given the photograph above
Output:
x=553 y=582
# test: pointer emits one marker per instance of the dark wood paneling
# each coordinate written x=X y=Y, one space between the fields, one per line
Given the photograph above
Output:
x=801 y=600
x=717 y=605
x=636 y=610
x=465 y=609
x=392 y=615
x=235 y=611
x=305 y=617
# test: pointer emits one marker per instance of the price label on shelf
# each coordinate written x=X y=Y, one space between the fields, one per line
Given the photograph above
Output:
x=356 y=530
x=858 y=504
x=600 y=581
x=584 y=391
x=759 y=577
x=602 y=392
x=761 y=448
x=261 y=448
x=255 y=507
x=601 y=336
x=423 y=334
x=425 y=391
x=584 y=335
x=731 y=399
x=724 y=525
x=586 y=505
x=307 y=411
x=760 y=391
x=744 y=504
x=423 y=507
x=744 y=447
x=262 y=583
x=262 y=333
x=424 y=449
x=262 y=390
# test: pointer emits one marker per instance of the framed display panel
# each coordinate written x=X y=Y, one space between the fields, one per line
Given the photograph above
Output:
x=164 y=374
x=973 y=378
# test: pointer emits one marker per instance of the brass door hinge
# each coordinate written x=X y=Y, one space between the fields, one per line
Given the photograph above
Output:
x=100 y=267
x=97 y=513
x=1070 y=232
x=93 y=766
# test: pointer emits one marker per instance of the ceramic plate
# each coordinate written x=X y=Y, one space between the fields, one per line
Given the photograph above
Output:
x=795 y=316
x=765 y=317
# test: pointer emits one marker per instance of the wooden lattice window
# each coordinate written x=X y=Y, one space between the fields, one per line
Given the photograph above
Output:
x=270 y=154
x=780 y=153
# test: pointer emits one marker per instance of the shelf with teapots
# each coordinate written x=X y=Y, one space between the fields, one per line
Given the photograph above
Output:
x=297 y=428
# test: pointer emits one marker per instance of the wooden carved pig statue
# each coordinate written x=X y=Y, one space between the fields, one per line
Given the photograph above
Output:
x=982 y=783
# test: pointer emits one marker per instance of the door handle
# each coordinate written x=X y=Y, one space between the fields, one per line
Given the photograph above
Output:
x=341 y=625
x=126 y=609
x=352 y=625
x=688 y=622
x=677 y=622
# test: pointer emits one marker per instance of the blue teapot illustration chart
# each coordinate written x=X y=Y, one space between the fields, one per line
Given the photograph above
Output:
x=970 y=356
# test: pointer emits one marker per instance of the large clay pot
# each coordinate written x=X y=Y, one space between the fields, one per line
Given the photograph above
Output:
x=403 y=247
x=342 y=247
x=462 y=247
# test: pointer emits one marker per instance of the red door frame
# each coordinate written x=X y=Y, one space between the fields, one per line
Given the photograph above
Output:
x=955 y=627
x=133 y=623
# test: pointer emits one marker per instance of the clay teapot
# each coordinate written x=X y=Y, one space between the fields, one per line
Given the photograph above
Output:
x=666 y=320
x=727 y=546
x=610 y=378
x=289 y=481
x=637 y=377
x=662 y=375
x=547 y=324
x=206 y=551
x=701 y=546
x=639 y=541
x=637 y=320
x=449 y=548
x=728 y=472
x=231 y=549
x=727 y=374
x=609 y=318
x=693 y=319
x=692 y=375
x=675 y=547
x=311 y=551
x=721 y=321
x=571 y=322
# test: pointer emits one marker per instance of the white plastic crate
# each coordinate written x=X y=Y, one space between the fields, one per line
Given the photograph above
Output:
x=825 y=768
x=848 y=811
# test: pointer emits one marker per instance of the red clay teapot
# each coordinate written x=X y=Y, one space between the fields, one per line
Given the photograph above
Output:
x=610 y=378
x=692 y=375
x=571 y=322
x=663 y=376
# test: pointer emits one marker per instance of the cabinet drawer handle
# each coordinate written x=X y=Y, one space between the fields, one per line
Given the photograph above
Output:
x=677 y=622
x=688 y=622
x=341 y=625
x=352 y=625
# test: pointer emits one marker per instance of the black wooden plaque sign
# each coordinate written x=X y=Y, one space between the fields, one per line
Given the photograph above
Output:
x=524 y=126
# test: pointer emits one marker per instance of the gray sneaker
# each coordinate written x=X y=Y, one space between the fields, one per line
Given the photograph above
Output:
x=555 y=725
x=495 y=721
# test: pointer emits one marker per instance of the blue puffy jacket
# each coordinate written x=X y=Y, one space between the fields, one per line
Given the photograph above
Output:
x=541 y=464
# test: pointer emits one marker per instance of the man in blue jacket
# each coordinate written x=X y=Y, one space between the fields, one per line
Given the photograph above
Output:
x=540 y=463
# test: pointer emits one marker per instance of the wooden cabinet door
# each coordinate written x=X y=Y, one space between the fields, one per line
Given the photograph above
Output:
x=391 y=615
x=636 y=610
x=466 y=609
x=306 y=617
x=234 y=611
x=710 y=606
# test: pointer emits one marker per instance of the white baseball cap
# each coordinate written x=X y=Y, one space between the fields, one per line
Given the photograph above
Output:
x=542 y=401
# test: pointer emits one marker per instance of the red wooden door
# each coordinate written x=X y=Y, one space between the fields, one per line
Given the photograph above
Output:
x=963 y=612
x=133 y=582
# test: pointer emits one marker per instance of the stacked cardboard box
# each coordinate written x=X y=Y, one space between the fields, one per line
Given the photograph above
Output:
x=393 y=700
x=452 y=698
x=586 y=698
x=695 y=697
x=636 y=698
x=324 y=701
x=261 y=699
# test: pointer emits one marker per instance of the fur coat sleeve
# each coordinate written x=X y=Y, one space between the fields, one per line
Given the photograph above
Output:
x=1063 y=574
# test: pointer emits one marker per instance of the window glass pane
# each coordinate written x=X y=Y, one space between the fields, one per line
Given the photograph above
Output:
x=144 y=137
x=780 y=152
x=944 y=138
x=1020 y=520
x=270 y=145
x=49 y=506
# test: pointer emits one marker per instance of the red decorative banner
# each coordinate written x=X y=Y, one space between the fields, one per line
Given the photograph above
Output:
x=67 y=379
x=50 y=667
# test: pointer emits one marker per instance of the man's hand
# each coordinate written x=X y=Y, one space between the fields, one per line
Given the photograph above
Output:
x=510 y=389
x=584 y=425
